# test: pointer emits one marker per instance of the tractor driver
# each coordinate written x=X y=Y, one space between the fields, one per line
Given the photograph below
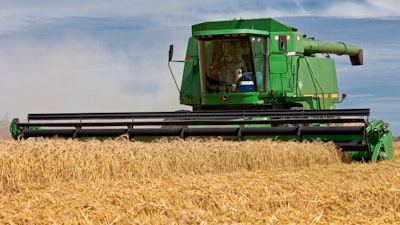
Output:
x=226 y=66
x=231 y=62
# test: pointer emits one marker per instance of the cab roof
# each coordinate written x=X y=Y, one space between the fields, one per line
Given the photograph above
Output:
x=240 y=26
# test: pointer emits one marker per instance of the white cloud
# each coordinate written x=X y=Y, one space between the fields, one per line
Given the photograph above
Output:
x=80 y=75
x=361 y=9
x=172 y=13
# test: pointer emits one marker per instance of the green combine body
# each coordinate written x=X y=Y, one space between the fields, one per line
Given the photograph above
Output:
x=260 y=64
x=244 y=79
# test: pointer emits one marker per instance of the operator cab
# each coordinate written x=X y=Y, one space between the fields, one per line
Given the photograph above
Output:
x=233 y=63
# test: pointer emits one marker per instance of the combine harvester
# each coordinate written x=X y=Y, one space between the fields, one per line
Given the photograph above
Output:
x=244 y=79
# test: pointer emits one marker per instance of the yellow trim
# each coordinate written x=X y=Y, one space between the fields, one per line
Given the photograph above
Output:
x=332 y=95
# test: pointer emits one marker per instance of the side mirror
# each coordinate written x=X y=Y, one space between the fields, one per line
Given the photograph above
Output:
x=170 y=52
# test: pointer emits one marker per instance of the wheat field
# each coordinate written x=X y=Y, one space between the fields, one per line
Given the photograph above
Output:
x=193 y=182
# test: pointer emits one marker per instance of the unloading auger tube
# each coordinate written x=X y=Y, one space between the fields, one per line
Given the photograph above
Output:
x=354 y=52
x=364 y=141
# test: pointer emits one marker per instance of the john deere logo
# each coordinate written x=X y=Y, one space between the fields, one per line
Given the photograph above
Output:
x=224 y=99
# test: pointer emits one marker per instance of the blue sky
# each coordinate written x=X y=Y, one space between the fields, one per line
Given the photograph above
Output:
x=108 y=56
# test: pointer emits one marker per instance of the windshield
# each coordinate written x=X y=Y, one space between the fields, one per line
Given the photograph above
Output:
x=227 y=65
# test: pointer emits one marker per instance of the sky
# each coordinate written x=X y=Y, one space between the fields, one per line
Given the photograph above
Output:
x=111 y=56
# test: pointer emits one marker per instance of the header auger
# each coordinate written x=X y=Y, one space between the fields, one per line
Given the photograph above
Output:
x=244 y=79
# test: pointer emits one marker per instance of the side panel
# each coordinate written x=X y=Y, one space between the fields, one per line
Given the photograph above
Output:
x=190 y=87
x=317 y=77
